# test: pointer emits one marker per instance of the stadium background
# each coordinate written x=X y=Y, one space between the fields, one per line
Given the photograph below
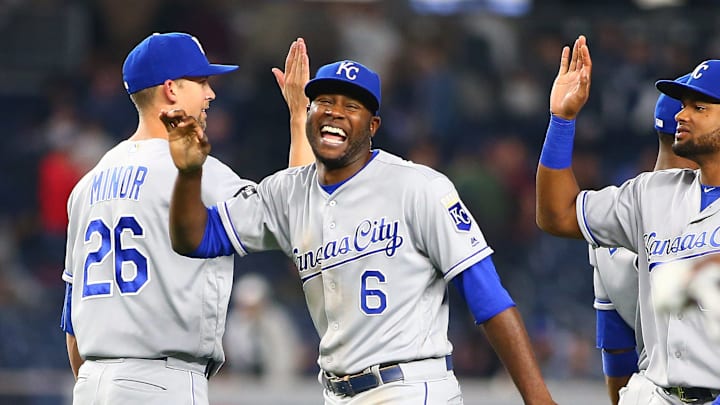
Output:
x=465 y=91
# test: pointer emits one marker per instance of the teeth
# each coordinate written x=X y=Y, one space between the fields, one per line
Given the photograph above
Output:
x=333 y=130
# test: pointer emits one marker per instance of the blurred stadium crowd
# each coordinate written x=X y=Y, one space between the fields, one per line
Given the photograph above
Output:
x=465 y=93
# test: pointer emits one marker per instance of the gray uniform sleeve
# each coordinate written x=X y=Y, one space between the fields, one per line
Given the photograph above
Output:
x=256 y=219
x=451 y=237
x=609 y=217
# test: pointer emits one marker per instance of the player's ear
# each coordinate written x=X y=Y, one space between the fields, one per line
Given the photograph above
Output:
x=169 y=89
x=374 y=124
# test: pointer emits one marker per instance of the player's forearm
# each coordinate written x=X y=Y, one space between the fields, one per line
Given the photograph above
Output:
x=73 y=354
x=556 y=191
x=188 y=214
x=613 y=385
x=506 y=333
x=300 y=152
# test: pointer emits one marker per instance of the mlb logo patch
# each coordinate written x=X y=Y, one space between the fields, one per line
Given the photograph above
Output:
x=458 y=213
x=246 y=192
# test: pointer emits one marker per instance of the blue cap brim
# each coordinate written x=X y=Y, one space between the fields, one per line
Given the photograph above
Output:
x=212 y=70
x=677 y=90
x=316 y=87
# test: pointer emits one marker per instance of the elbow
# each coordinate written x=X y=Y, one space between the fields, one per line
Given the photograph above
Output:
x=555 y=225
x=545 y=224
x=181 y=243
x=181 y=248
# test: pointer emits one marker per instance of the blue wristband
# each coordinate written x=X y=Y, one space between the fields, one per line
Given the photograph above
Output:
x=620 y=364
x=558 y=147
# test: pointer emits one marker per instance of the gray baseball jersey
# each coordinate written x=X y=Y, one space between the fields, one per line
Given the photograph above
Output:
x=374 y=256
x=133 y=296
x=657 y=215
x=615 y=280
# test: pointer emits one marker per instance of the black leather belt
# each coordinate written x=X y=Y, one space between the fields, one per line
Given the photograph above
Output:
x=351 y=385
x=692 y=395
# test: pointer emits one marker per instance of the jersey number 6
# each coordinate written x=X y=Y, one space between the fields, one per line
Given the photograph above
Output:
x=373 y=301
x=111 y=245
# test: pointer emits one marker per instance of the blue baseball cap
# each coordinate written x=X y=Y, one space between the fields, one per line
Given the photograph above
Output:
x=703 y=81
x=666 y=108
x=168 y=56
x=347 y=77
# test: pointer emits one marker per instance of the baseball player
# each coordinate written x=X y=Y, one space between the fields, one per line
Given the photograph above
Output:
x=615 y=279
x=144 y=324
x=375 y=238
x=662 y=216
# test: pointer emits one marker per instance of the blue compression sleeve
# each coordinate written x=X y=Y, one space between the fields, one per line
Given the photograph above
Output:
x=66 y=318
x=612 y=331
x=480 y=286
x=215 y=241
x=558 y=147
x=620 y=364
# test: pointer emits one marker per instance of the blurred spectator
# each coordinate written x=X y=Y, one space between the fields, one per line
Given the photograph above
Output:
x=261 y=339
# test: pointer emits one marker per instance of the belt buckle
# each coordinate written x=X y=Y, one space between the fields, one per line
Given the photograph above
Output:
x=342 y=386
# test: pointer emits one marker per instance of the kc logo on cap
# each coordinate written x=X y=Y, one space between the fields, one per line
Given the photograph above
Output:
x=349 y=69
x=349 y=78
x=704 y=82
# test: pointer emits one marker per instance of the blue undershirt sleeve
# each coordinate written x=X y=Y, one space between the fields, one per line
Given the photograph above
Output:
x=65 y=318
x=480 y=286
x=215 y=241
x=612 y=331
x=620 y=364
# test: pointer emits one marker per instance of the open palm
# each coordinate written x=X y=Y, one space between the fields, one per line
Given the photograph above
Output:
x=571 y=88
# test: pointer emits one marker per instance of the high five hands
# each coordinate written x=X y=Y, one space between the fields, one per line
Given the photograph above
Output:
x=297 y=73
x=571 y=87
x=189 y=145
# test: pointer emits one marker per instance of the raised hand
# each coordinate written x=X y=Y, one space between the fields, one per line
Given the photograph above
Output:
x=571 y=88
x=297 y=73
x=189 y=147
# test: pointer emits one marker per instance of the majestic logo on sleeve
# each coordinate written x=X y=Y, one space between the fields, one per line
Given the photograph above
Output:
x=458 y=213
x=369 y=237
x=658 y=247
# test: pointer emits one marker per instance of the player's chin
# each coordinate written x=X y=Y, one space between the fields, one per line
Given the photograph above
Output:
x=332 y=160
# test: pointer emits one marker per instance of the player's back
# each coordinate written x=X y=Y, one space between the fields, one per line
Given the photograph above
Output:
x=133 y=296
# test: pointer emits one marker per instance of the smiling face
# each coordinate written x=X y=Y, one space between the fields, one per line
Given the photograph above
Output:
x=698 y=129
x=340 y=129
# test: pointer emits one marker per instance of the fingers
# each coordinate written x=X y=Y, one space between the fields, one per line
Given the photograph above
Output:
x=587 y=61
x=172 y=118
x=564 y=60
x=279 y=77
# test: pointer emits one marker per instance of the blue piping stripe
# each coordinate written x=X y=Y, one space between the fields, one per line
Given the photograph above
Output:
x=466 y=259
x=353 y=258
x=603 y=301
x=652 y=265
x=237 y=237
x=585 y=219
x=426 y=393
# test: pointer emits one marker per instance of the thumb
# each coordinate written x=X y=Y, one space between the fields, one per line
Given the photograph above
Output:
x=279 y=77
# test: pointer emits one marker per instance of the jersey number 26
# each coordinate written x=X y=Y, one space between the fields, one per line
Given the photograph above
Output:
x=111 y=245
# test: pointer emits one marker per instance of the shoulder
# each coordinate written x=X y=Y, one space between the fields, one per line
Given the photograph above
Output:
x=668 y=176
x=298 y=175
x=407 y=168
